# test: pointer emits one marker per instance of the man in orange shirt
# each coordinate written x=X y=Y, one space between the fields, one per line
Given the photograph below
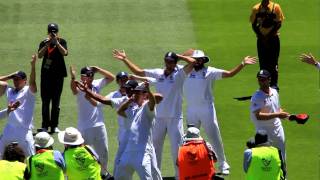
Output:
x=266 y=19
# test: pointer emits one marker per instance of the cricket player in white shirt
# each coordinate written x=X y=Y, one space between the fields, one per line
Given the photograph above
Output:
x=266 y=113
x=90 y=114
x=116 y=102
x=200 y=101
x=19 y=125
x=169 y=83
x=139 y=151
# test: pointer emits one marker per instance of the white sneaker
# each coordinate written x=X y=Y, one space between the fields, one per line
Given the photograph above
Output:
x=55 y=130
x=224 y=169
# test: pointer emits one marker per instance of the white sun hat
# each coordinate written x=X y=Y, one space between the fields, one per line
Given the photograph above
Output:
x=43 y=140
x=70 y=136
x=197 y=54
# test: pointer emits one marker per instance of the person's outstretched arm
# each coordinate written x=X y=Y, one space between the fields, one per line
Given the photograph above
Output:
x=248 y=60
x=121 y=55
x=32 y=80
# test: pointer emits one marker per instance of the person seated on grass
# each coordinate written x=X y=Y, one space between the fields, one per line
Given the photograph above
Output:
x=82 y=161
x=12 y=166
x=263 y=161
x=196 y=158
x=46 y=163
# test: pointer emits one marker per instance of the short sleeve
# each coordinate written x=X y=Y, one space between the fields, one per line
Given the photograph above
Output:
x=215 y=73
x=256 y=103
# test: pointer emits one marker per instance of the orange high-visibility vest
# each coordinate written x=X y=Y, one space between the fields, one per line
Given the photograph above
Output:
x=195 y=162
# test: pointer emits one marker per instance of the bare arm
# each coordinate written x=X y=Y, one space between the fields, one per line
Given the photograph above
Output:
x=309 y=59
x=44 y=49
x=107 y=75
x=93 y=96
x=123 y=107
x=248 y=60
x=32 y=80
x=61 y=49
x=152 y=100
x=190 y=62
x=73 y=84
x=121 y=55
x=266 y=116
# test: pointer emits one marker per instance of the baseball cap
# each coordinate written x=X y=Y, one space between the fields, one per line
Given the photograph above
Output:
x=87 y=71
x=121 y=75
x=20 y=74
x=263 y=73
x=70 y=136
x=132 y=84
x=193 y=133
x=43 y=140
x=140 y=87
x=198 y=54
x=171 y=56
x=53 y=28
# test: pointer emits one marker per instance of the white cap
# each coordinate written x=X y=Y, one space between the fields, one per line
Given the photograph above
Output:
x=43 y=140
x=70 y=136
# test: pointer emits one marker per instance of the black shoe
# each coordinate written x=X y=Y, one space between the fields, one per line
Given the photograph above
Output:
x=54 y=130
x=107 y=177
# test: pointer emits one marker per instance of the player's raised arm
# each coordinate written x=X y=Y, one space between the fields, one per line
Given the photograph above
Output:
x=121 y=55
x=248 y=60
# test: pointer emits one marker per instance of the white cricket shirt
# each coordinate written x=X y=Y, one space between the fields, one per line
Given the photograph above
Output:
x=267 y=104
x=171 y=88
x=198 y=85
x=23 y=115
x=89 y=115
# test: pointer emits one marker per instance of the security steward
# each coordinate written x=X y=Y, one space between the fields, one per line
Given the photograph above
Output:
x=195 y=157
x=266 y=19
x=46 y=163
x=263 y=161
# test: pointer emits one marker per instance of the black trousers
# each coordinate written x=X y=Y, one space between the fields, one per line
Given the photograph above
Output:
x=268 y=53
x=51 y=89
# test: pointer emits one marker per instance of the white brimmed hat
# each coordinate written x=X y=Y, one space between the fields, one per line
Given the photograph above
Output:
x=71 y=136
x=43 y=140
x=192 y=134
x=197 y=54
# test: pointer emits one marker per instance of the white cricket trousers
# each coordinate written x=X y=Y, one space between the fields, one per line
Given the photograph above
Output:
x=97 y=138
x=21 y=135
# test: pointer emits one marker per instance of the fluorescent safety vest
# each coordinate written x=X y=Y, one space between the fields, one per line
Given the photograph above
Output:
x=43 y=166
x=81 y=164
x=11 y=170
x=265 y=164
x=195 y=162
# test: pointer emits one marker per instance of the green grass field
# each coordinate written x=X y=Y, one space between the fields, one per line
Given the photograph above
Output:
x=148 y=29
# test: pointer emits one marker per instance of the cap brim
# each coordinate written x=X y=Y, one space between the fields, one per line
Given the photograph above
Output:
x=61 y=139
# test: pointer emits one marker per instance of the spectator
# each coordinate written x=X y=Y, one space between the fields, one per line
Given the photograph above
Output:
x=310 y=59
x=200 y=101
x=169 y=83
x=263 y=161
x=266 y=112
x=90 y=114
x=12 y=166
x=196 y=158
x=19 y=125
x=266 y=19
x=139 y=151
x=46 y=163
x=53 y=71
x=82 y=162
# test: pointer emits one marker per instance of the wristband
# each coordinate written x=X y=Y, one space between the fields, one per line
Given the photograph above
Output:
x=242 y=63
